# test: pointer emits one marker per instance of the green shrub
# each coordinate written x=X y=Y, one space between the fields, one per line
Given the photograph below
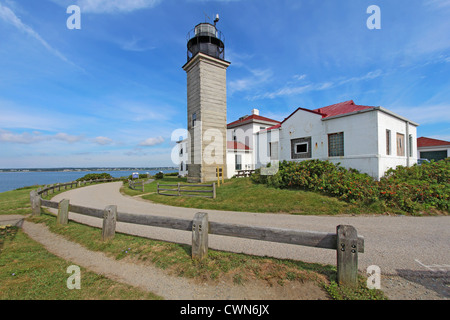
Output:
x=159 y=175
x=95 y=176
x=405 y=188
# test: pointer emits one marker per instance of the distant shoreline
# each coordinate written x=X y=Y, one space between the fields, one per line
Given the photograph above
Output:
x=88 y=169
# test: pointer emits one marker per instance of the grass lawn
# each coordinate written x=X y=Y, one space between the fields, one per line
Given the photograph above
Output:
x=241 y=194
x=29 y=272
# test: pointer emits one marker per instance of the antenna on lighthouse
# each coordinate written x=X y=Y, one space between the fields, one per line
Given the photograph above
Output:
x=216 y=19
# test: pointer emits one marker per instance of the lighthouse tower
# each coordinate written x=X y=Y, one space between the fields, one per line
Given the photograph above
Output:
x=206 y=102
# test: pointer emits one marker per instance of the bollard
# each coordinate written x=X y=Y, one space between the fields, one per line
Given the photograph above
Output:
x=63 y=212
x=35 y=200
x=109 y=223
x=200 y=236
x=347 y=256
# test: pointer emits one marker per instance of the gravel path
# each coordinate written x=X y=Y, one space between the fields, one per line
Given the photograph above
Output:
x=412 y=252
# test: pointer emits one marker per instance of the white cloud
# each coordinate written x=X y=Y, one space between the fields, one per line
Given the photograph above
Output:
x=36 y=137
x=109 y=6
x=299 y=77
x=289 y=89
x=7 y=15
x=136 y=45
x=66 y=137
x=369 y=76
x=103 y=141
x=152 y=142
x=437 y=4
x=257 y=78
x=425 y=114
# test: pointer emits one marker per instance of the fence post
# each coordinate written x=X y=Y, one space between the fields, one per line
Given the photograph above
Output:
x=347 y=255
x=109 y=223
x=214 y=190
x=63 y=212
x=178 y=188
x=35 y=200
x=157 y=187
x=200 y=236
x=142 y=185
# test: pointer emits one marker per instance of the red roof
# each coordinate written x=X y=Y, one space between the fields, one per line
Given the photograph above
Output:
x=252 y=118
x=312 y=111
x=334 y=110
x=428 y=142
x=274 y=127
x=237 y=145
x=341 y=108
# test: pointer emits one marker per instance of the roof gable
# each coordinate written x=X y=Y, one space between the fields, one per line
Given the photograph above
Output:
x=250 y=119
x=334 y=110
x=341 y=108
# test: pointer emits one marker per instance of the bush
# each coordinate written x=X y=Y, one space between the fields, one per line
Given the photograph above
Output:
x=95 y=176
x=159 y=175
x=408 y=189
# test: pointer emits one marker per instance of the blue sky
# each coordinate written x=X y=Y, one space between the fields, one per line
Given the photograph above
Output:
x=112 y=93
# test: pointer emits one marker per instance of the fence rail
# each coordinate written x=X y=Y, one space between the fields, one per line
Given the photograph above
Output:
x=45 y=191
x=345 y=241
x=136 y=185
x=179 y=191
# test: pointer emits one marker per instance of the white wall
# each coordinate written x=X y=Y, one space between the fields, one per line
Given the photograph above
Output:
x=182 y=158
x=302 y=124
x=246 y=158
x=364 y=139
x=389 y=122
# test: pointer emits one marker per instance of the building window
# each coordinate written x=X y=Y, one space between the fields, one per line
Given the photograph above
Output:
x=400 y=145
x=194 y=119
x=301 y=148
x=388 y=142
x=336 y=144
x=238 y=162
x=234 y=135
x=181 y=166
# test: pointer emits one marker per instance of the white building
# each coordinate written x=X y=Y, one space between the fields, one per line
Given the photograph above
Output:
x=241 y=141
x=369 y=139
x=432 y=149
x=183 y=157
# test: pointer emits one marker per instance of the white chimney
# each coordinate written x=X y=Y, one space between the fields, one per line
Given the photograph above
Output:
x=255 y=112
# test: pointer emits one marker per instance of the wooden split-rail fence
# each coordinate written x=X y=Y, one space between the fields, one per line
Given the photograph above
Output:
x=136 y=185
x=345 y=241
x=187 y=190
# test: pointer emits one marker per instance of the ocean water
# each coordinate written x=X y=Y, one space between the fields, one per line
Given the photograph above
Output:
x=15 y=180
